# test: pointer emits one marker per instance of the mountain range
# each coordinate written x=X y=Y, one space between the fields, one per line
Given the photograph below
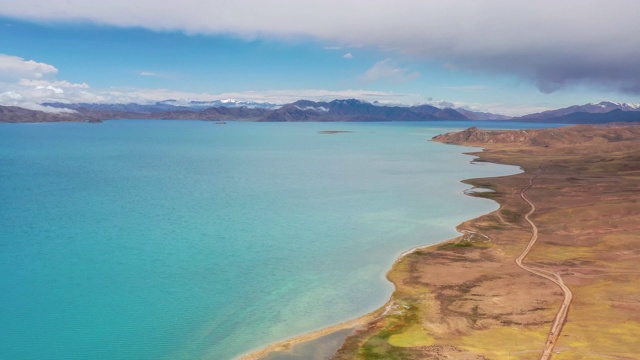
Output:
x=306 y=110
x=164 y=106
x=357 y=110
x=602 y=112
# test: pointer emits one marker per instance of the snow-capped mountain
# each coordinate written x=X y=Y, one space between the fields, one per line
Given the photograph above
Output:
x=166 y=105
x=358 y=110
x=477 y=115
x=610 y=106
x=599 y=108
x=230 y=103
x=306 y=110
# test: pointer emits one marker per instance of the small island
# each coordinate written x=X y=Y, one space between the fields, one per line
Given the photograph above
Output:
x=333 y=132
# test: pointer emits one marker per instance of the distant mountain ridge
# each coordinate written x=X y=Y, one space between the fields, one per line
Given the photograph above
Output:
x=307 y=110
x=357 y=110
x=14 y=114
x=477 y=115
x=603 y=112
x=162 y=106
x=302 y=110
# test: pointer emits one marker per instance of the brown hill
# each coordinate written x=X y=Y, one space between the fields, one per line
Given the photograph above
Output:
x=614 y=135
x=14 y=114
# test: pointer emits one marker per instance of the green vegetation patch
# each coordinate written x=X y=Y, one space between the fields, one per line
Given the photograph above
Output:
x=602 y=320
x=456 y=245
x=401 y=332
x=414 y=336
x=476 y=242
x=376 y=348
x=562 y=254
x=507 y=342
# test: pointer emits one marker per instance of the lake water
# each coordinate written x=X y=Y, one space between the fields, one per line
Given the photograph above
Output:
x=189 y=240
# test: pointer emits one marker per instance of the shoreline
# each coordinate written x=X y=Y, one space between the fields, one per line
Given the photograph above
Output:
x=355 y=323
x=287 y=344
x=467 y=298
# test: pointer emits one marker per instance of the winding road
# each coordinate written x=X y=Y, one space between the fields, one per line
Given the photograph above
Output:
x=561 y=316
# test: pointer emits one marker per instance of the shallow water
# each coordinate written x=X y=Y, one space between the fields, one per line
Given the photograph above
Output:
x=321 y=348
x=185 y=239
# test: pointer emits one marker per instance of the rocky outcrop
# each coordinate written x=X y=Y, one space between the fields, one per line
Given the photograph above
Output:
x=475 y=135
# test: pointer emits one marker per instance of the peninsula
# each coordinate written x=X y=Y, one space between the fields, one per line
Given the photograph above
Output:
x=551 y=274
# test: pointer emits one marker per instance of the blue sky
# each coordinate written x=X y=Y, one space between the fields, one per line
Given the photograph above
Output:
x=502 y=56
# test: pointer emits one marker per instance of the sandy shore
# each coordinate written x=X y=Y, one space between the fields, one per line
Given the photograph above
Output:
x=287 y=344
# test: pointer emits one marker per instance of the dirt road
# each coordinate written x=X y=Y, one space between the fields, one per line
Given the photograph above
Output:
x=561 y=316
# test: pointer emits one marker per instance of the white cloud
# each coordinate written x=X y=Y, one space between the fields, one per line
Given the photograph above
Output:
x=33 y=97
x=13 y=98
x=148 y=73
x=385 y=70
x=289 y=96
x=347 y=56
x=505 y=109
x=55 y=90
x=553 y=43
x=29 y=90
x=57 y=83
x=442 y=103
x=270 y=96
x=28 y=84
x=13 y=68
x=13 y=94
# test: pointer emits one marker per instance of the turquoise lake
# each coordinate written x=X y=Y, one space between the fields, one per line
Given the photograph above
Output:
x=189 y=240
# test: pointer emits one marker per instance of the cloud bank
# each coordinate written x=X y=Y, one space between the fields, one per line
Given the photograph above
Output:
x=386 y=70
x=15 y=68
x=552 y=43
x=29 y=83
